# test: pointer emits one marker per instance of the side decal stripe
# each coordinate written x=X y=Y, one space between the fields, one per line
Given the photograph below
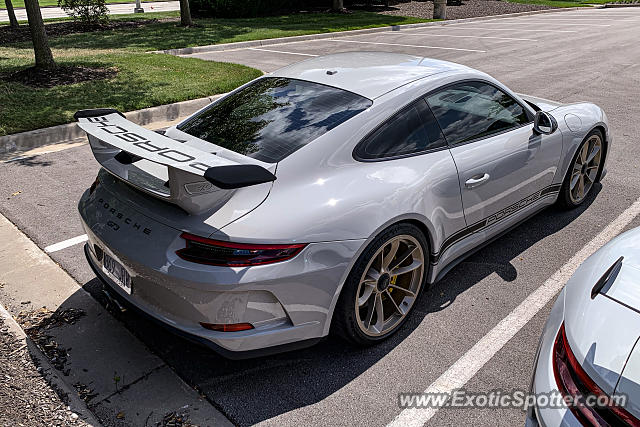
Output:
x=493 y=219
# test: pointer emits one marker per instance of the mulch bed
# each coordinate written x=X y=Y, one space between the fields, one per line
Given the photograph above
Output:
x=60 y=75
x=467 y=8
x=57 y=29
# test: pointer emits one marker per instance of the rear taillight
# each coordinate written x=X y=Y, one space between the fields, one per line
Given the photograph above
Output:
x=574 y=382
x=215 y=252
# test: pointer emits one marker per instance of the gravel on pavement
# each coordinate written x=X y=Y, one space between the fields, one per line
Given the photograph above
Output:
x=26 y=399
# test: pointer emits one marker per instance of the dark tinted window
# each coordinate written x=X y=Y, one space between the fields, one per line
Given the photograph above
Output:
x=411 y=131
x=471 y=110
x=273 y=117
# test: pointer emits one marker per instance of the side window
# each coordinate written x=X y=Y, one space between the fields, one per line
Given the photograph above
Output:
x=471 y=110
x=413 y=130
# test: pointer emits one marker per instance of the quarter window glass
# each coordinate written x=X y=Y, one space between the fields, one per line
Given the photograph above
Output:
x=471 y=110
x=412 y=131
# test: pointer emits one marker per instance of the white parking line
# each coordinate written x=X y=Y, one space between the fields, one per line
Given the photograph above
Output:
x=450 y=27
x=470 y=37
x=543 y=23
x=564 y=19
x=65 y=244
x=473 y=360
x=408 y=45
x=280 y=51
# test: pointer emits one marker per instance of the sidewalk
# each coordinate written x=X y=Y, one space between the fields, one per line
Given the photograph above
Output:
x=114 y=9
x=120 y=381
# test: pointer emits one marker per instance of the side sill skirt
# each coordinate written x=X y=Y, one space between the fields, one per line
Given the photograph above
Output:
x=458 y=260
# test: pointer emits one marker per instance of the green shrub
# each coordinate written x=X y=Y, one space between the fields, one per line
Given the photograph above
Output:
x=240 y=8
x=253 y=8
x=86 y=11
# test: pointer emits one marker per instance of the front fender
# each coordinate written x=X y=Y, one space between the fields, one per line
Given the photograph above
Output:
x=576 y=121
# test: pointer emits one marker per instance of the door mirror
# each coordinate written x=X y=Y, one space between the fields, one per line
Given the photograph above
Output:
x=544 y=123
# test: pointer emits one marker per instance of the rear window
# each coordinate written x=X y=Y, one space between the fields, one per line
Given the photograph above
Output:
x=273 y=117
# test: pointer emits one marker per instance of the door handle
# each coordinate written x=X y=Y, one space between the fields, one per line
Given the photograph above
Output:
x=477 y=180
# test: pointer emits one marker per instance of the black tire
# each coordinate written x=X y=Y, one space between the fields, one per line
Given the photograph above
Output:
x=344 y=322
x=564 y=198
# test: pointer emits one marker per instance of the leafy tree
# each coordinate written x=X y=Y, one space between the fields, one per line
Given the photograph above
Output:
x=185 y=14
x=44 y=57
x=13 y=22
x=338 y=5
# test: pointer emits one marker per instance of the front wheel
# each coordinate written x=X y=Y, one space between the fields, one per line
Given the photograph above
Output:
x=583 y=171
x=382 y=286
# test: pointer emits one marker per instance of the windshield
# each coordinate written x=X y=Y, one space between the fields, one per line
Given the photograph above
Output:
x=273 y=117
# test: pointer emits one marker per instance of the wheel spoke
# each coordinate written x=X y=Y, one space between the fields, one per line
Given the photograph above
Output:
x=386 y=259
x=594 y=152
x=398 y=309
x=588 y=179
x=406 y=291
x=370 y=310
x=583 y=153
x=581 y=187
x=372 y=275
x=574 y=180
x=366 y=295
x=379 y=314
x=402 y=258
x=407 y=268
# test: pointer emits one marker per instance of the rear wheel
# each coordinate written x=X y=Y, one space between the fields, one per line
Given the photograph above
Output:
x=583 y=171
x=382 y=286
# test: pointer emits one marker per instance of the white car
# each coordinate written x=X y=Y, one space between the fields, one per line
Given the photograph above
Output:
x=325 y=195
x=589 y=350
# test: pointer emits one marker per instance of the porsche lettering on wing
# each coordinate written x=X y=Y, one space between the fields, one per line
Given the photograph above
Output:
x=118 y=131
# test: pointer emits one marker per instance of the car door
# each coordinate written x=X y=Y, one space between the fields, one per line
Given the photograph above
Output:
x=502 y=164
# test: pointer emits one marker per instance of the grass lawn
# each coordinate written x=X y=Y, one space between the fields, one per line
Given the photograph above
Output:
x=166 y=35
x=143 y=80
x=146 y=79
x=45 y=3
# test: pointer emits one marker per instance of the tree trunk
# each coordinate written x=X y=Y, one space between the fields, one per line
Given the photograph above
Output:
x=44 y=57
x=338 y=5
x=13 y=22
x=440 y=9
x=185 y=14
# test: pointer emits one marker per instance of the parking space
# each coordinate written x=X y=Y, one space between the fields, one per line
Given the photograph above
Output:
x=565 y=56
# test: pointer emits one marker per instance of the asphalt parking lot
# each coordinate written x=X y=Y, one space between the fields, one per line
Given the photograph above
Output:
x=567 y=56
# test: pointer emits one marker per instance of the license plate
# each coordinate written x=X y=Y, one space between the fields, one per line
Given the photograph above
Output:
x=117 y=272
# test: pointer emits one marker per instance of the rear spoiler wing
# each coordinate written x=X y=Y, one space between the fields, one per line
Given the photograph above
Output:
x=124 y=149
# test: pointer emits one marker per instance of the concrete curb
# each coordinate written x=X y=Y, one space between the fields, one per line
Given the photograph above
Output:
x=24 y=141
x=49 y=373
x=616 y=5
x=280 y=40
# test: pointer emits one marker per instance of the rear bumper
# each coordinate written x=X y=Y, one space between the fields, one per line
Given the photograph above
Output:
x=544 y=378
x=288 y=303
x=236 y=355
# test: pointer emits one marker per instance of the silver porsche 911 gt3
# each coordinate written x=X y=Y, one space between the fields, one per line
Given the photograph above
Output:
x=325 y=196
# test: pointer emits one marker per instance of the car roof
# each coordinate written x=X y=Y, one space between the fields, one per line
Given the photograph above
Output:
x=370 y=74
